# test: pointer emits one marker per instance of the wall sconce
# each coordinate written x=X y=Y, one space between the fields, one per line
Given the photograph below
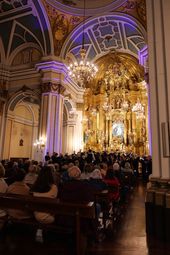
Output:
x=40 y=144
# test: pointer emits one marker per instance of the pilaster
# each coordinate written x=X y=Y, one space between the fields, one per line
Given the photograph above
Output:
x=158 y=24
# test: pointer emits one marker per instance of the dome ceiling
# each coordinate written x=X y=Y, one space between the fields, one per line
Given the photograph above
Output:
x=76 y=6
x=89 y=4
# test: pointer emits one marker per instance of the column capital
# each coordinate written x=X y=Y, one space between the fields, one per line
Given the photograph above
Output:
x=52 y=87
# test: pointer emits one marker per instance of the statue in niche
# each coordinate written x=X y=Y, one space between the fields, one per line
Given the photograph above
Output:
x=21 y=142
x=130 y=139
x=98 y=87
x=118 y=103
x=132 y=84
x=113 y=104
x=118 y=85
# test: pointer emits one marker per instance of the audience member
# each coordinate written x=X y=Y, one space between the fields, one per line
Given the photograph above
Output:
x=3 y=187
x=20 y=188
x=45 y=187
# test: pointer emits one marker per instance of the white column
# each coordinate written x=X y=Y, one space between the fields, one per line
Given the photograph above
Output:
x=51 y=120
x=158 y=24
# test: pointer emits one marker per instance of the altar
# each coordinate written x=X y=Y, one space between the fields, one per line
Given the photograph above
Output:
x=115 y=114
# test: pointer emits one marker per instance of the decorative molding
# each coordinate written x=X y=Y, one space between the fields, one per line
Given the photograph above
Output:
x=52 y=87
x=136 y=8
x=125 y=33
x=8 y=6
x=90 y=11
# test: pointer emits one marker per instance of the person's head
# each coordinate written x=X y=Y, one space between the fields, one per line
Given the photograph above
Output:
x=2 y=170
x=96 y=174
x=116 y=166
x=32 y=169
x=52 y=167
x=57 y=167
x=74 y=172
x=76 y=163
x=44 y=180
x=104 y=166
x=20 y=175
x=87 y=168
x=110 y=174
x=127 y=165
x=71 y=164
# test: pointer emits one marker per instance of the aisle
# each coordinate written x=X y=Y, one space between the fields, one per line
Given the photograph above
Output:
x=131 y=237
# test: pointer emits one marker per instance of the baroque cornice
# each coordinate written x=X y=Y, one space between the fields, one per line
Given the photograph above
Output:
x=52 y=87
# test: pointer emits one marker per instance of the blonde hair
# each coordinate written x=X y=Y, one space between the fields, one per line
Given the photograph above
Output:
x=74 y=172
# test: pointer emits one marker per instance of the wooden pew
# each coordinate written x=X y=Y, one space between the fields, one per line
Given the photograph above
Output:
x=53 y=206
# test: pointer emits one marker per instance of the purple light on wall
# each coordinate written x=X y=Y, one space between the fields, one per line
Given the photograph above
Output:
x=143 y=60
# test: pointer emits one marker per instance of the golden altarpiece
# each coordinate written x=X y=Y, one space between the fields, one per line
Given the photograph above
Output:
x=116 y=107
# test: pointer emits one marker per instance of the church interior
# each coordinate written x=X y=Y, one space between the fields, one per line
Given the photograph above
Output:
x=37 y=48
x=84 y=86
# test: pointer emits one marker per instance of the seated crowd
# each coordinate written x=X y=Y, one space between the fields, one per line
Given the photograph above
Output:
x=73 y=178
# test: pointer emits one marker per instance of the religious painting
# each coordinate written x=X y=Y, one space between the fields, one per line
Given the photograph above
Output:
x=118 y=129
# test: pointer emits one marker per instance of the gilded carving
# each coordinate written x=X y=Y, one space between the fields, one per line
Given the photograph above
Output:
x=52 y=87
x=136 y=8
x=109 y=122
x=141 y=10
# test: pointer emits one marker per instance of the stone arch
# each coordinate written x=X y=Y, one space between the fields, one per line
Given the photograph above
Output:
x=21 y=48
x=78 y=10
x=115 y=30
x=20 y=96
x=21 y=123
x=68 y=107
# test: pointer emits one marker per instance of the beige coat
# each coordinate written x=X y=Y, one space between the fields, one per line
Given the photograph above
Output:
x=46 y=217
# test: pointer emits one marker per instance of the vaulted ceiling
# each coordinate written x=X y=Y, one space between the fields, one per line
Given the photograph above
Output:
x=52 y=27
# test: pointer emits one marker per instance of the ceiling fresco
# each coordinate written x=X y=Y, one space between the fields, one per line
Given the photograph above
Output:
x=106 y=33
x=89 y=4
x=54 y=29
x=109 y=34
x=62 y=24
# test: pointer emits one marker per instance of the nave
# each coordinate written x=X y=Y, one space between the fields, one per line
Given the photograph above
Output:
x=129 y=237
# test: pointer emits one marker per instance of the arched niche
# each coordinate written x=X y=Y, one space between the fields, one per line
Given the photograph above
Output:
x=21 y=127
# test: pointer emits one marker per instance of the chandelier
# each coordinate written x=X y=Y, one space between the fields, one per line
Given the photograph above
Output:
x=139 y=110
x=83 y=71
